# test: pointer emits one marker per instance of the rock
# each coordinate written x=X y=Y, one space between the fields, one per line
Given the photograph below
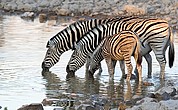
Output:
x=148 y=84
x=133 y=10
x=43 y=3
x=86 y=107
x=28 y=15
x=26 y=7
x=168 y=105
x=29 y=1
x=52 y=17
x=132 y=76
x=165 y=96
x=47 y=102
x=158 y=96
x=33 y=106
x=175 y=97
x=151 y=95
x=136 y=97
x=63 y=12
x=170 y=90
x=42 y=18
x=122 y=106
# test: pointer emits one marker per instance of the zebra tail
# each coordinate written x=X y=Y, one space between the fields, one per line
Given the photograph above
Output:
x=138 y=51
x=171 y=49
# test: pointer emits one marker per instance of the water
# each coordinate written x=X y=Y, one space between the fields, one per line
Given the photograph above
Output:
x=22 y=49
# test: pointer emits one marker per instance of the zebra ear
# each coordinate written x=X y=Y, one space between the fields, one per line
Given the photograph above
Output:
x=50 y=44
x=76 y=46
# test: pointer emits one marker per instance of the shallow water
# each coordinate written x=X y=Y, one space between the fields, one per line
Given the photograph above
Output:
x=22 y=49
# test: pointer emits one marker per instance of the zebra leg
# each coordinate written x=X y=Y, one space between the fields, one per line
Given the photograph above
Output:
x=162 y=63
x=160 y=56
x=110 y=65
x=87 y=64
x=139 y=68
x=149 y=61
x=100 y=69
x=122 y=66
x=129 y=67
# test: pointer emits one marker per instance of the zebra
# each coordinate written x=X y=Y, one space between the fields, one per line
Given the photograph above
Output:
x=120 y=46
x=154 y=34
x=65 y=39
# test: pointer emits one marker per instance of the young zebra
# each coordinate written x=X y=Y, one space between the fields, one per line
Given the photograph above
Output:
x=154 y=34
x=65 y=39
x=122 y=46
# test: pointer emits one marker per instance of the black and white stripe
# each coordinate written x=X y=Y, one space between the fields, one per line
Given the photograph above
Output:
x=154 y=34
x=120 y=47
x=65 y=39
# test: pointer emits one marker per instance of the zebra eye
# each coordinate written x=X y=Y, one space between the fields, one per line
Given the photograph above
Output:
x=49 y=53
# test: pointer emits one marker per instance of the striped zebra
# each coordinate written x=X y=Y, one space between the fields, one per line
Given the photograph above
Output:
x=121 y=47
x=154 y=34
x=65 y=39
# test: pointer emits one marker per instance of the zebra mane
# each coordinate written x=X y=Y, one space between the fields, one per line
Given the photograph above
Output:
x=76 y=46
x=53 y=39
x=98 y=48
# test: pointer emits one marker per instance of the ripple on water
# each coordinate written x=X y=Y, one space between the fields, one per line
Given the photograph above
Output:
x=22 y=48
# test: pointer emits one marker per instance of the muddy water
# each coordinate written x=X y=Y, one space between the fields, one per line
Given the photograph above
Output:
x=22 y=49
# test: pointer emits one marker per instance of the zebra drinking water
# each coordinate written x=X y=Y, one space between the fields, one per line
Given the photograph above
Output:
x=65 y=39
x=121 y=47
x=154 y=34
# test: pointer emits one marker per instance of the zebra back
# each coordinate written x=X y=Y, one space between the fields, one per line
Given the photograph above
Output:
x=149 y=30
x=65 y=39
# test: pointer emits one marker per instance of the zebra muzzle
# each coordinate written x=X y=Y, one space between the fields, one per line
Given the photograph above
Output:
x=70 y=73
x=43 y=66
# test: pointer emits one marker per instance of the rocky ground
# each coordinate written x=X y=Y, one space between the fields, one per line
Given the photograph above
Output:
x=158 y=8
x=166 y=98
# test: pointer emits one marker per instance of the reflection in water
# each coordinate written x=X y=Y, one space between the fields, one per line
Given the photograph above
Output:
x=55 y=87
x=1 y=32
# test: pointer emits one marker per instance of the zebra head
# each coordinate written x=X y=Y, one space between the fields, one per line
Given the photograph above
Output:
x=76 y=61
x=52 y=56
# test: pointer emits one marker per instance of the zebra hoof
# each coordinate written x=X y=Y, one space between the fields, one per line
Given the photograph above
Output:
x=149 y=76
x=132 y=76
x=45 y=72
x=90 y=74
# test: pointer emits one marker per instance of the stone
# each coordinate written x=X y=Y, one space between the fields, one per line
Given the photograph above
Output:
x=151 y=95
x=158 y=97
x=168 y=105
x=133 y=10
x=175 y=97
x=165 y=96
x=26 y=7
x=47 y=102
x=55 y=3
x=33 y=106
x=86 y=107
x=63 y=12
x=29 y=1
x=43 y=3
x=148 y=84
x=42 y=18
x=122 y=106
x=28 y=15
x=170 y=90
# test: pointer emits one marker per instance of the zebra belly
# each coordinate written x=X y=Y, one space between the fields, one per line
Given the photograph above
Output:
x=145 y=49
